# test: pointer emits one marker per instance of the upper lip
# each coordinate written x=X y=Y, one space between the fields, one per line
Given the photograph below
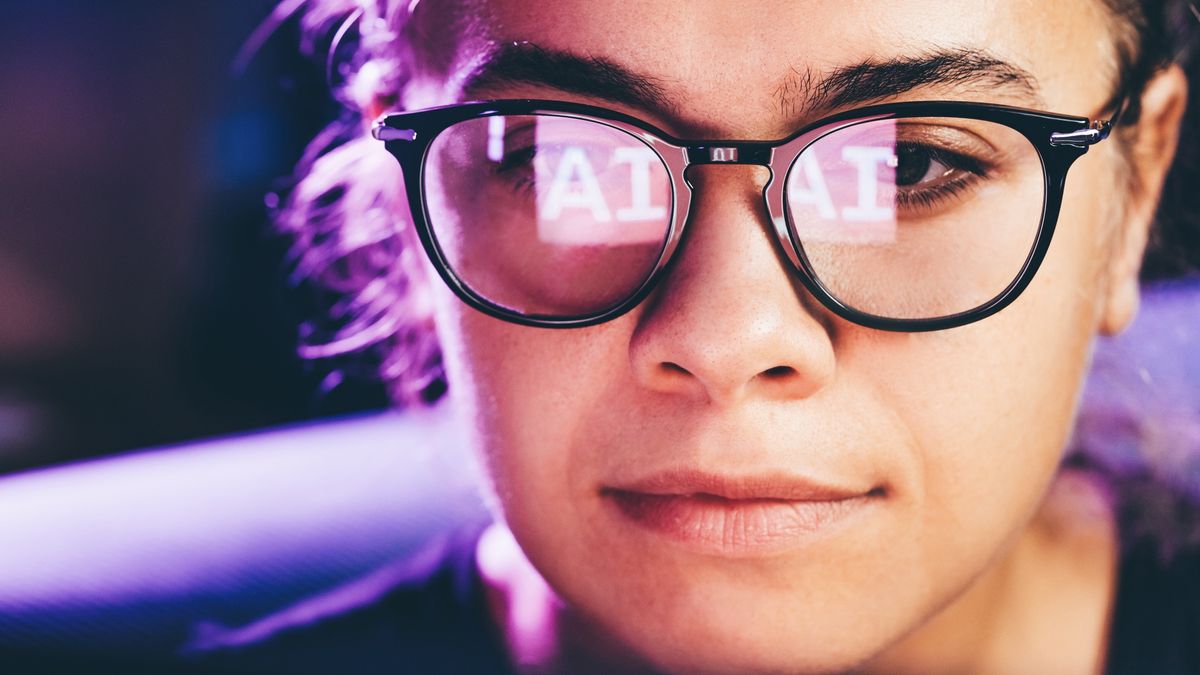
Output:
x=774 y=485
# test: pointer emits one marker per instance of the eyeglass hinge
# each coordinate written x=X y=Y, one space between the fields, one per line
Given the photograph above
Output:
x=1084 y=137
x=383 y=132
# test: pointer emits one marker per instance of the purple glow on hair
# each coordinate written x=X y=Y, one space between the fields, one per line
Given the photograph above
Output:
x=347 y=214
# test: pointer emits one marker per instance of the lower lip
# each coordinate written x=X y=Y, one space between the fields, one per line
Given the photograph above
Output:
x=735 y=527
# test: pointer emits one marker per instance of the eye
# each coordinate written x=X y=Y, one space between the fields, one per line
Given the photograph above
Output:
x=919 y=166
x=518 y=158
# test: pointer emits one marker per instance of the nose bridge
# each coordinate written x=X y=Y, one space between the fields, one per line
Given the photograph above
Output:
x=757 y=153
x=732 y=317
x=730 y=204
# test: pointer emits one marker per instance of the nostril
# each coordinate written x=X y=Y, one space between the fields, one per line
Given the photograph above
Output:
x=674 y=368
x=778 y=372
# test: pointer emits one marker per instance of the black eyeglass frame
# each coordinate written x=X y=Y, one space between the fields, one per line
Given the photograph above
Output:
x=1058 y=139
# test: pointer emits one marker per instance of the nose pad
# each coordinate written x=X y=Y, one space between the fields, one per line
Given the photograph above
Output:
x=783 y=237
x=731 y=319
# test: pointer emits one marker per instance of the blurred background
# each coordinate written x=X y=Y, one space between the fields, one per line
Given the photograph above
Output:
x=143 y=295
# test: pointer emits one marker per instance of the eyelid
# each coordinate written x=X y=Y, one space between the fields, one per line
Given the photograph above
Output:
x=975 y=159
x=524 y=127
x=952 y=136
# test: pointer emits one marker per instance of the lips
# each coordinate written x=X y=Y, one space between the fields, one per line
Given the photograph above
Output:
x=736 y=515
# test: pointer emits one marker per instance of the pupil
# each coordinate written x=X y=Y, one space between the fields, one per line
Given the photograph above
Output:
x=912 y=164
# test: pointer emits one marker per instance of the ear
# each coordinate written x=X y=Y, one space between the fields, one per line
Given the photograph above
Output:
x=1156 y=137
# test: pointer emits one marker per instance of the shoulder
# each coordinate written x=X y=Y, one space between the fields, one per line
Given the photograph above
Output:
x=423 y=614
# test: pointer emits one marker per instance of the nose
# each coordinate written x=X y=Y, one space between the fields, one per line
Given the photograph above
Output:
x=731 y=321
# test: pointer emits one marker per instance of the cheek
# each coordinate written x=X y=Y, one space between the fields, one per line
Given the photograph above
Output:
x=992 y=404
x=527 y=394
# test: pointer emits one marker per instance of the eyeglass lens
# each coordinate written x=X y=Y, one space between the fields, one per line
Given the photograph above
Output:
x=558 y=216
x=916 y=218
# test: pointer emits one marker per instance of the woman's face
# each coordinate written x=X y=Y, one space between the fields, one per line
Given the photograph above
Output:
x=729 y=477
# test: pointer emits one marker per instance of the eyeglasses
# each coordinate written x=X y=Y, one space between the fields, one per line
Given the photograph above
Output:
x=909 y=216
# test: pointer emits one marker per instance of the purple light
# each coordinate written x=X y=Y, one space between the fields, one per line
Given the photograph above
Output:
x=181 y=520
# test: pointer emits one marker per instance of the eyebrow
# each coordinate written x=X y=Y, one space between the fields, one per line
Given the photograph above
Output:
x=526 y=63
x=799 y=92
x=874 y=80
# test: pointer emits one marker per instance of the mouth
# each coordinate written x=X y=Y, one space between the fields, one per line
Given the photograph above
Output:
x=738 y=516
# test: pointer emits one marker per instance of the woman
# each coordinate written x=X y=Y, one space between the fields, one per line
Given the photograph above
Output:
x=797 y=406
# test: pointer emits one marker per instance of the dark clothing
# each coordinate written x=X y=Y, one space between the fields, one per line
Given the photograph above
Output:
x=1156 y=625
x=427 y=614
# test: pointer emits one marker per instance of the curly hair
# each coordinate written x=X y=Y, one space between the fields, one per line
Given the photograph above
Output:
x=351 y=249
x=354 y=250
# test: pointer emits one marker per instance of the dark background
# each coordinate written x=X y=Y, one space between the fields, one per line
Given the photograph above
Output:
x=143 y=298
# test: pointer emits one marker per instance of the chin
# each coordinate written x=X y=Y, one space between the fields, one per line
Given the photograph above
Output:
x=704 y=627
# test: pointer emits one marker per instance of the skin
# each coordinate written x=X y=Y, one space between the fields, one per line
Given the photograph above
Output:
x=981 y=556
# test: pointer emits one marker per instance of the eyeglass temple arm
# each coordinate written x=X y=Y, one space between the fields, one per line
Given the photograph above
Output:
x=1096 y=132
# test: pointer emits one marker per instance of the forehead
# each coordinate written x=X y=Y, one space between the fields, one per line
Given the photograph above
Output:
x=732 y=64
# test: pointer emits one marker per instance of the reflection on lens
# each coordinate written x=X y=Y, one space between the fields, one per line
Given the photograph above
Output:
x=548 y=215
x=916 y=218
